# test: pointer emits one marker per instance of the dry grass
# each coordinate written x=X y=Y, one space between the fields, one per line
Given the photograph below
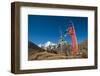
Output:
x=51 y=56
x=45 y=56
x=37 y=53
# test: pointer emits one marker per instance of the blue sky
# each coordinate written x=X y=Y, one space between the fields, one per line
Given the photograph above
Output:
x=43 y=28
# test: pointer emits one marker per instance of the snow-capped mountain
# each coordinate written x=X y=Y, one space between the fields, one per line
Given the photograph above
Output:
x=47 y=45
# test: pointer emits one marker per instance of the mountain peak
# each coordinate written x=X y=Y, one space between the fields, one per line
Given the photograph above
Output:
x=48 y=43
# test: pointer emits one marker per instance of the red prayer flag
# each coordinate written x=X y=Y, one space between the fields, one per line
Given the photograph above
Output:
x=74 y=40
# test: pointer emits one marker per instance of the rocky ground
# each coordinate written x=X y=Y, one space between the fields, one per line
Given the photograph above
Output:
x=37 y=53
